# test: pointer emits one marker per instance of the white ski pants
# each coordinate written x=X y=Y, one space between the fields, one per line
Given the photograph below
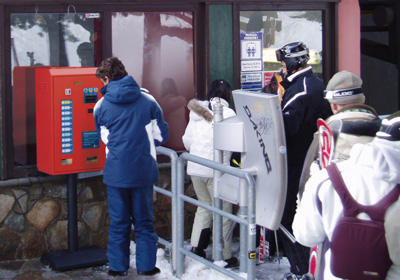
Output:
x=204 y=188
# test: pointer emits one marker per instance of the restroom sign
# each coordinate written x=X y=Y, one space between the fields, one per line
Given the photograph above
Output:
x=251 y=60
x=251 y=46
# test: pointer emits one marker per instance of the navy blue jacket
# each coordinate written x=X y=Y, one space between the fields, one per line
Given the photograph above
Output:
x=130 y=123
x=302 y=104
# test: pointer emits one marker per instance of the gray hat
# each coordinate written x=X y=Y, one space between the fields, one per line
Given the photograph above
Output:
x=344 y=88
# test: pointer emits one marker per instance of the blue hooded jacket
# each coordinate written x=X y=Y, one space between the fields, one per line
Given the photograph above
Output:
x=131 y=124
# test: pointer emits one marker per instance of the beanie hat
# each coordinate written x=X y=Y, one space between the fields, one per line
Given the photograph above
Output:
x=344 y=88
x=390 y=128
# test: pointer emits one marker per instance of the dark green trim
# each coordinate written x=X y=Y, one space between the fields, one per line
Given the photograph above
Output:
x=221 y=42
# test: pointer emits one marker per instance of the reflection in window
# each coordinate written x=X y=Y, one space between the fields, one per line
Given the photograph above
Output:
x=43 y=40
x=282 y=27
x=157 y=50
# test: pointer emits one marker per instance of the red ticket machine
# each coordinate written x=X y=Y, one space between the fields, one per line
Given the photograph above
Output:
x=67 y=143
x=66 y=136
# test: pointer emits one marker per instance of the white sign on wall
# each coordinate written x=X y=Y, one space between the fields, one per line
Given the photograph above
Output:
x=252 y=64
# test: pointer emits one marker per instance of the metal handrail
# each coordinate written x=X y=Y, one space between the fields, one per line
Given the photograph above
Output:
x=246 y=218
x=174 y=158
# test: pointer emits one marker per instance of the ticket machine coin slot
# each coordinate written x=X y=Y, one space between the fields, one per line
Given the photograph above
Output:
x=91 y=159
x=66 y=161
x=90 y=99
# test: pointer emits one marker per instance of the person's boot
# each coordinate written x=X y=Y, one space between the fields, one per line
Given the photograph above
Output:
x=152 y=272
x=199 y=252
x=204 y=240
x=117 y=273
x=292 y=276
x=231 y=262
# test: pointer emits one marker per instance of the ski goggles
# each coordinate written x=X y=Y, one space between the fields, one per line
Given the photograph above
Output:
x=338 y=94
x=281 y=54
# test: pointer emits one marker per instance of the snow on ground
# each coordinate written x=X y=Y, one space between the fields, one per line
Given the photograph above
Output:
x=194 y=270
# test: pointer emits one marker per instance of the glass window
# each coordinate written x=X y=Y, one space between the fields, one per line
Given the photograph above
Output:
x=157 y=50
x=43 y=40
x=282 y=27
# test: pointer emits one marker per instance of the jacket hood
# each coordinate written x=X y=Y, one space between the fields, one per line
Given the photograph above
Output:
x=386 y=158
x=200 y=108
x=124 y=90
x=386 y=155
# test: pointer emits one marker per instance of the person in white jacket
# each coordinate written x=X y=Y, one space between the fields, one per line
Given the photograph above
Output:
x=392 y=221
x=198 y=140
x=352 y=122
x=392 y=233
x=370 y=173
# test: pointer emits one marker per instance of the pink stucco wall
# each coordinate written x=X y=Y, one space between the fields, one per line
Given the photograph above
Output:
x=349 y=36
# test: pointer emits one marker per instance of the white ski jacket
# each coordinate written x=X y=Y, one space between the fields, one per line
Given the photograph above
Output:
x=370 y=173
x=198 y=138
x=359 y=125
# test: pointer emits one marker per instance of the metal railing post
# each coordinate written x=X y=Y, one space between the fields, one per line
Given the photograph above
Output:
x=243 y=240
x=218 y=242
x=174 y=182
x=180 y=216
x=246 y=219
x=251 y=237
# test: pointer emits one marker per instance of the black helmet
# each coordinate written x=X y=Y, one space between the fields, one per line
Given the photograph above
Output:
x=390 y=128
x=294 y=54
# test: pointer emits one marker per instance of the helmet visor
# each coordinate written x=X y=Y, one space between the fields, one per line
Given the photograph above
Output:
x=280 y=55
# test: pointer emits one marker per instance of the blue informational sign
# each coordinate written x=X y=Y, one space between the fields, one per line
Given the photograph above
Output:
x=90 y=140
x=252 y=81
x=252 y=64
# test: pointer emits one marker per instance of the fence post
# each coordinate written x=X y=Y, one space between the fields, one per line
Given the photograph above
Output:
x=218 y=157
x=180 y=216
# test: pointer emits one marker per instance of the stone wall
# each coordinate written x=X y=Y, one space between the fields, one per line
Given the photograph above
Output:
x=34 y=219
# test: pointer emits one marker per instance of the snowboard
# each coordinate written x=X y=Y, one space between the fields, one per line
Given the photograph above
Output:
x=326 y=151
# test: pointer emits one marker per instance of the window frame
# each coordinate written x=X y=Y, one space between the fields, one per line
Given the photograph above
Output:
x=329 y=33
x=200 y=8
x=8 y=169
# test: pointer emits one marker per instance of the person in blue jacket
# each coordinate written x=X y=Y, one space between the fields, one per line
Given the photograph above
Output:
x=302 y=104
x=130 y=123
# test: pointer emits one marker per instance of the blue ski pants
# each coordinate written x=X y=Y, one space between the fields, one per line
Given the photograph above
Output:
x=129 y=206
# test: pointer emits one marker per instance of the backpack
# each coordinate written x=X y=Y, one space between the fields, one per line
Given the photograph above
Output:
x=358 y=247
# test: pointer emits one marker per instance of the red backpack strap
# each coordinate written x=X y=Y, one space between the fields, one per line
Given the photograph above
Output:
x=379 y=208
x=351 y=208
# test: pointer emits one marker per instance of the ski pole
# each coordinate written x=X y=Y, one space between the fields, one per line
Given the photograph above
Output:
x=288 y=234
x=277 y=248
